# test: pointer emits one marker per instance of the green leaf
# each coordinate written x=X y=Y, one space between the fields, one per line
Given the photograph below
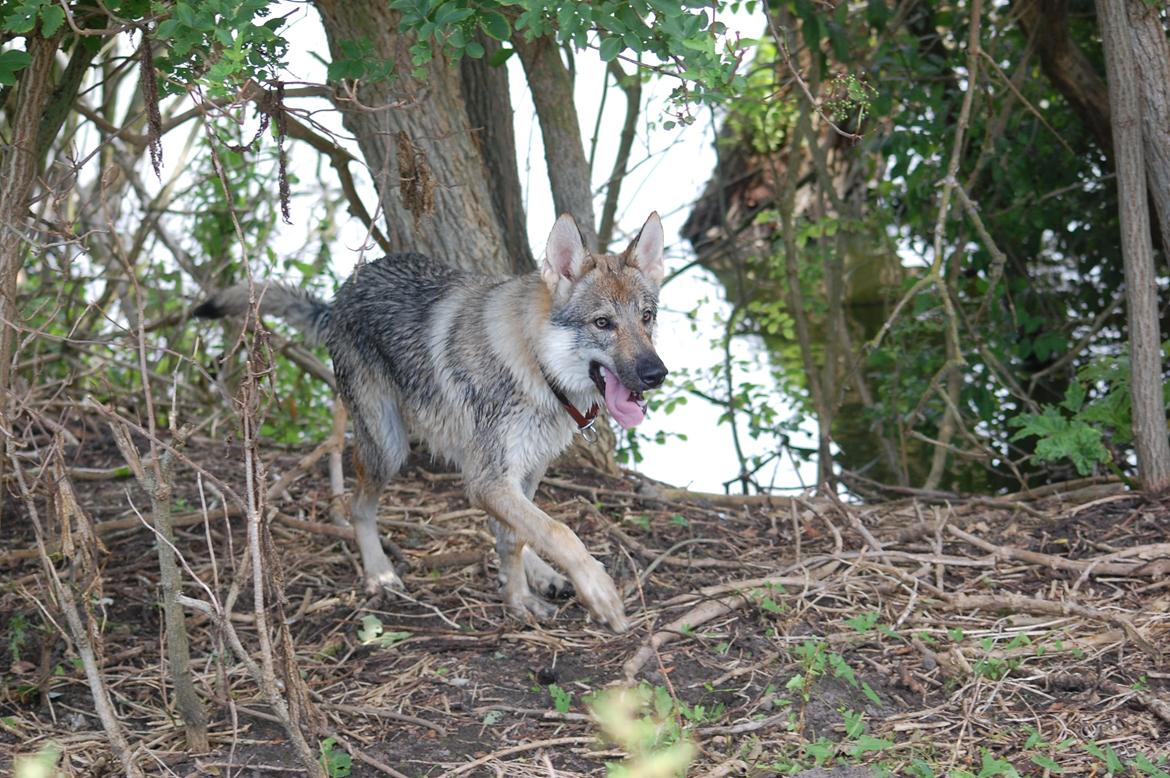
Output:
x=186 y=14
x=371 y=628
x=496 y=25
x=337 y=764
x=1074 y=397
x=166 y=29
x=562 y=700
x=1106 y=755
x=474 y=49
x=1143 y=763
x=52 y=17
x=24 y=18
x=868 y=743
x=610 y=48
x=500 y=56
x=1062 y=438
x=1048 y=763
x=10 y=63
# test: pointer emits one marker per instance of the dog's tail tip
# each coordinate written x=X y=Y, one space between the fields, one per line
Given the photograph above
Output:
x=208 y=309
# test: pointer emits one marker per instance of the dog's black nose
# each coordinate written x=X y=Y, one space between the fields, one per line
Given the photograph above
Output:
x=651 y=371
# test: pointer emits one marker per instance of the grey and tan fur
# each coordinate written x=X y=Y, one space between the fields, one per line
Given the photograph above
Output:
x=469 y=363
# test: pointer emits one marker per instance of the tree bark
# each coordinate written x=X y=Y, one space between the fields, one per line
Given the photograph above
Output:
x=1151 y=51
x=1066 y=66
x=1149 y=413
x=460 y=226
x=157 y=481
x=489 y=109
x=631 y=85
x=564 y=151
x=18 y=169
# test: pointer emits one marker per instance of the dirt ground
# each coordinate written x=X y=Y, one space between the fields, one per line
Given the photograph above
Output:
x=931 y=635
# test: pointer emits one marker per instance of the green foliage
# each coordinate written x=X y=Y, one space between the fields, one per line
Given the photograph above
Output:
x=1040 y=184
x=1062 y=437
x=1096 y=410
x=22 y=17
x=850 y=97
x=358 y=61
x=218 y=43
x=336 y=762
x=683 y=37
x=18 y=629
x=645 y=724
x=562 y=700
x=11 y=63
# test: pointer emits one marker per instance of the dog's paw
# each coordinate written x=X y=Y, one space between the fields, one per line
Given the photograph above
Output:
x=544 y=579
x=599 y=594
x=526 y=606
x=384 y=582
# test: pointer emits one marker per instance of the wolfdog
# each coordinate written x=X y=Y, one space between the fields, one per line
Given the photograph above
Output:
x=491 y=373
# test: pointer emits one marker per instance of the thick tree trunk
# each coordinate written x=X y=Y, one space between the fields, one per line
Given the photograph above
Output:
x=432 y=197
x=564 y=151
x=1149 y=413
x=1151 y=52
x=489 y=109
x=18 y=169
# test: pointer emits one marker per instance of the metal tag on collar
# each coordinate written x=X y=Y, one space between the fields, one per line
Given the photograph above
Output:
x=587 y=432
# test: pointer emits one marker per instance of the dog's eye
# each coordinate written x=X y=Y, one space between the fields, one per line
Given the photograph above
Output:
x=601 y=323
x=647 y=316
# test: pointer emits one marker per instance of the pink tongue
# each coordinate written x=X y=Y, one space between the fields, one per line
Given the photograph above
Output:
x=625 y=411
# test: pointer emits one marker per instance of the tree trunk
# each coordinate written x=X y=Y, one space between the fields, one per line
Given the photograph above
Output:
x=18 y=170
x=631 y=85
x=489 y=108
x=1066 y=66
x=1149 y=413
x=1151 y=51
x=564 y=151
x=432 y=197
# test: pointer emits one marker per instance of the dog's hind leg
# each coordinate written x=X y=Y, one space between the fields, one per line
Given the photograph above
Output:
x=540 y=574
x=380 y=449
x=514 y=581
x=524 y=577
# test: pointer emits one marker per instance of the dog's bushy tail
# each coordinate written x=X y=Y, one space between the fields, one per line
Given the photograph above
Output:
x=298 y=307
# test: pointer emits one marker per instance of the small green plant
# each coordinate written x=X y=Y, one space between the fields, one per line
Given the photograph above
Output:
x=562 y=700
x=1096 y=409
x=372 y=632
x=641 y=721
x=17 y=635
x=640 y=521
x=864 y=622
x=1107 y=755
x=993 y=766
x=336 y=763
x=994 y=667
x=43 y=764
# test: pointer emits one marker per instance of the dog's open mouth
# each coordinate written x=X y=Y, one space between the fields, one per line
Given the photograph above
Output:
x=627 y=407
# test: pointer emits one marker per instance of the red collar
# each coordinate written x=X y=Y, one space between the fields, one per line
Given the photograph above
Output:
x=585 y=420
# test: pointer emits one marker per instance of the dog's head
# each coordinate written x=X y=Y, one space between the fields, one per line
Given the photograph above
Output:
x=604 y=311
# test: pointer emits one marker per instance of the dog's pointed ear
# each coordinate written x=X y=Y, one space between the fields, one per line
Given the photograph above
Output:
x=645 y=251
x=565 y=252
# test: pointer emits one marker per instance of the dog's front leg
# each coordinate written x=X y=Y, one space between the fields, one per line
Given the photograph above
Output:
x=557 y=543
